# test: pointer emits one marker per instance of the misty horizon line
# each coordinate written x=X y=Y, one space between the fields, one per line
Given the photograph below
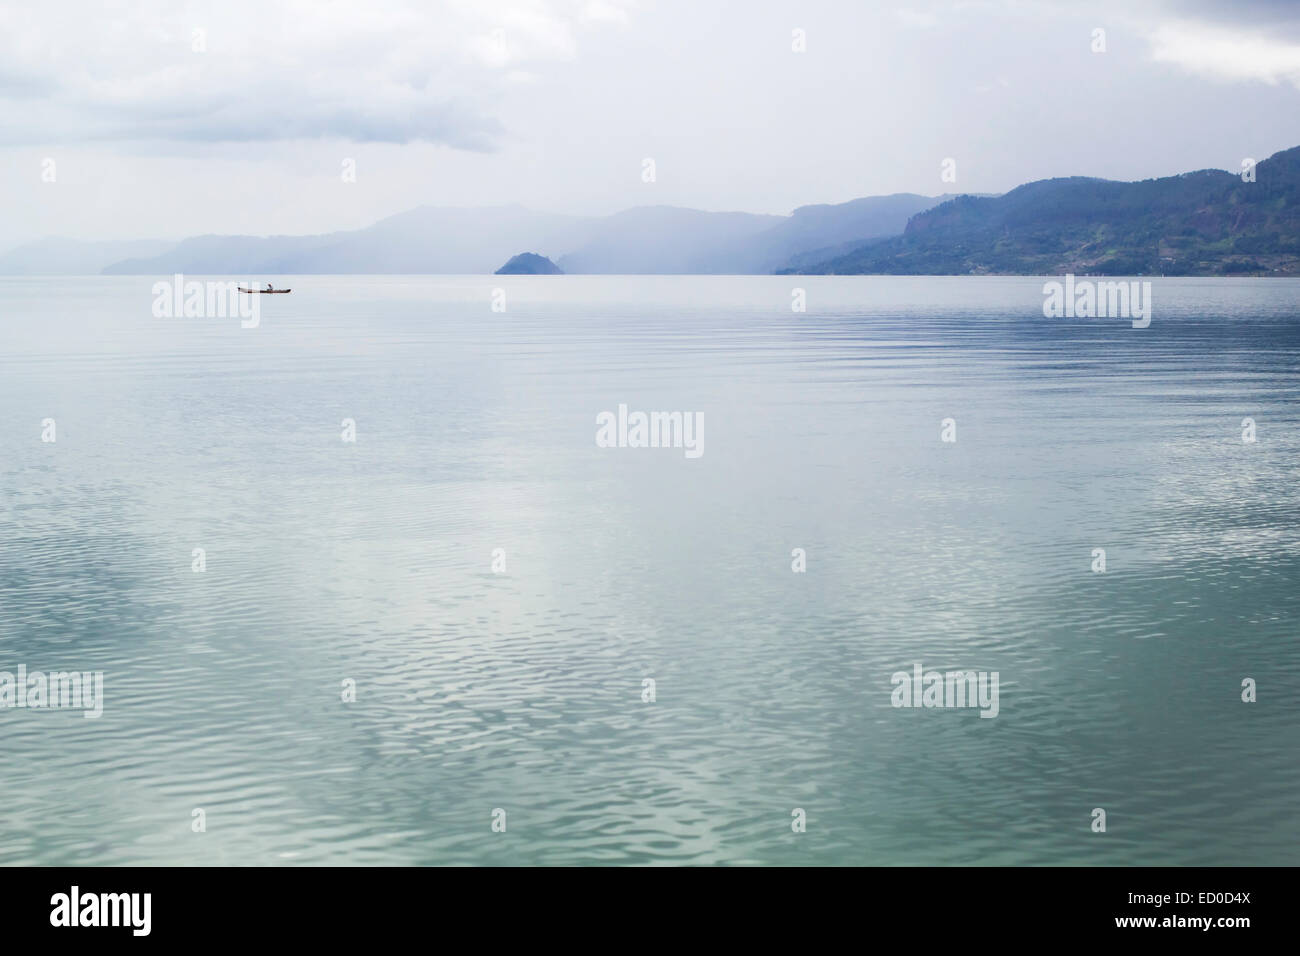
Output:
x=1205 y=223
x=13 y=242
x=525 y=207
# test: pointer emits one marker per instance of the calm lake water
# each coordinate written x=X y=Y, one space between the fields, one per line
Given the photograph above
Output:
x=329 y=561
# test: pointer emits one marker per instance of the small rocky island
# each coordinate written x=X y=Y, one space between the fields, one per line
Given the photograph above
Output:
x=530 y=264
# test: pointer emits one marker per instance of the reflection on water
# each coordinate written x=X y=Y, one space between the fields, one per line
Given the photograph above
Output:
x=372 y=562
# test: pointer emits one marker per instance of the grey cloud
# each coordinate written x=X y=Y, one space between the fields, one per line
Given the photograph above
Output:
x=1243 y=14
x=441 y=123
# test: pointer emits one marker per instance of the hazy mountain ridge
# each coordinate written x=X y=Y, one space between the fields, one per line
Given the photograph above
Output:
x=644 y=239
x=73 y=256
x=1207 y=222
x=668 y=239
x=422 y=240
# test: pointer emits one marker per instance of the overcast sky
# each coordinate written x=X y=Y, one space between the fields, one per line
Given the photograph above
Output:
x=158 y=131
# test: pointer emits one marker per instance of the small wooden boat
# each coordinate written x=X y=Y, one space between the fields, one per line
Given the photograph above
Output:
x=265 y=291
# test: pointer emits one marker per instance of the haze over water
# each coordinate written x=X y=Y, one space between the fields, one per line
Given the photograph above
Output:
x=371 y=561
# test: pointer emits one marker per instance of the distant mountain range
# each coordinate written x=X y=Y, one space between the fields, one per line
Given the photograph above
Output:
x=665 y=239
x=647 y=239
x=1209 y=222
x=1204 y=223
x=73 y=257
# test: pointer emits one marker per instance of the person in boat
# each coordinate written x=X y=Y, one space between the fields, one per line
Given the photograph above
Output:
x=269 y=287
